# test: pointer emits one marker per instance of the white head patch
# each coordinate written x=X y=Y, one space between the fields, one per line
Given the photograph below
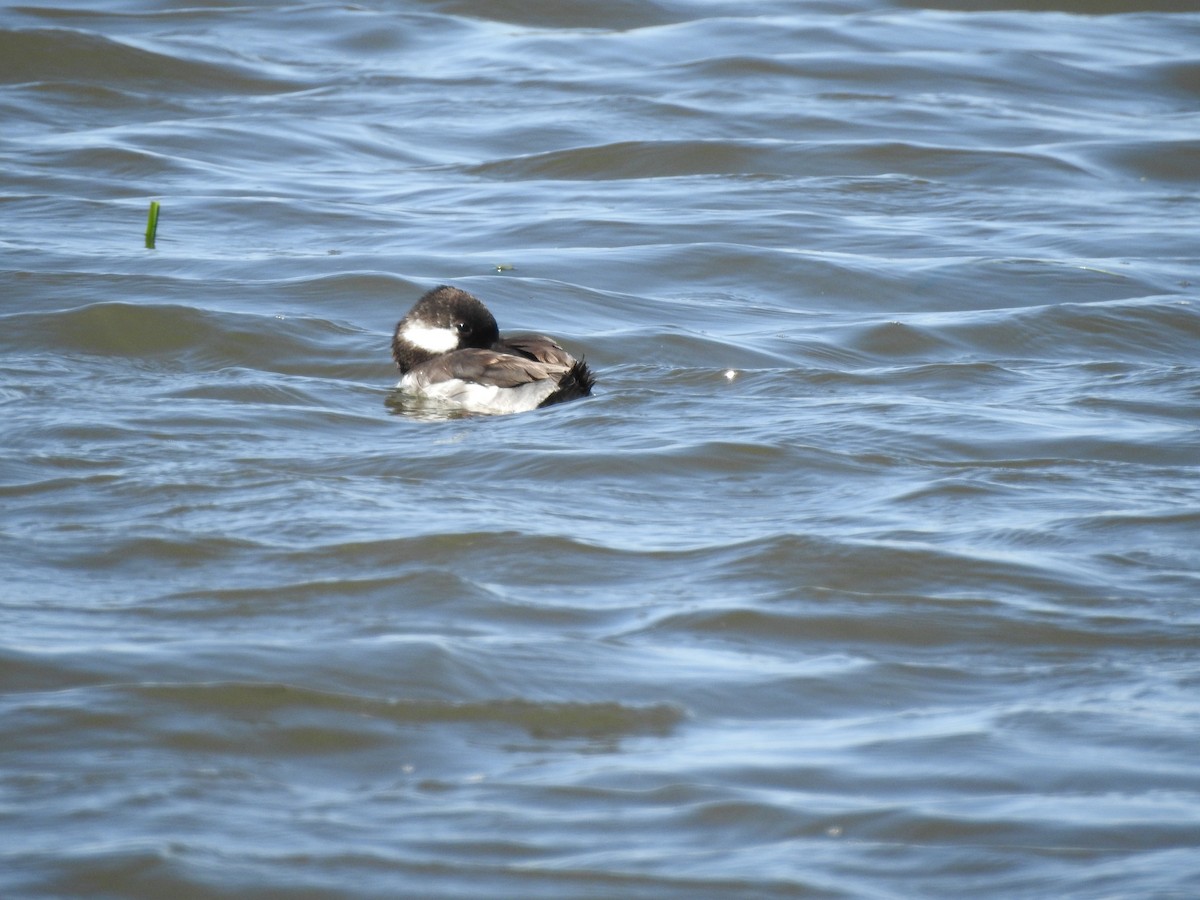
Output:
x=429 y=338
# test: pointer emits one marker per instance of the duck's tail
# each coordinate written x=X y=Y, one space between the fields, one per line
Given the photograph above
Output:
x=578 y=382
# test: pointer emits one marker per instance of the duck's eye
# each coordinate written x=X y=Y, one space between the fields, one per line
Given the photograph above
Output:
x=461 y=327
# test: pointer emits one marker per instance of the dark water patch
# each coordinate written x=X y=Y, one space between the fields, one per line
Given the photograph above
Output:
x=53 y=55
x=1086 y=444
x=120 y=163
x=947 y=380
x=415 y=590
x=1184 y=75
x=156 y=552
x=184 y=337
x=1010 y=284
x=35 y=486
x=1168 y=571
x=61 y=106
x=414 y=601
x=28 y=670
x=570 y=14
x=751 y=821
x=791 y=567
x=1165 y=533
x=1090 y=723
x=1156 y=160
x=152 y=872
x=897 y=339
x=539 y=719
x=898 y=623
x=1157 y=392
x=223 y=150
x=255 y=394
x=1138 y=330
x=1010 y=96
x=1072 y=7
x=495 y=551
x=667 y=463
x=676 y=159
x=1147 y=329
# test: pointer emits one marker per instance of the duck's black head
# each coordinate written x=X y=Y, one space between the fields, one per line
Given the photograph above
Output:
x=444 y=320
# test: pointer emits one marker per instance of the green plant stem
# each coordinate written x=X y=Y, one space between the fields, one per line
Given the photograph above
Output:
x=152 y=225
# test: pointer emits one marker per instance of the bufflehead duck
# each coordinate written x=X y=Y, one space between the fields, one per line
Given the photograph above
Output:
x=450 y=351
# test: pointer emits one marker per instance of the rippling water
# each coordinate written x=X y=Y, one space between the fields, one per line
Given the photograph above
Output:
x=871 y=570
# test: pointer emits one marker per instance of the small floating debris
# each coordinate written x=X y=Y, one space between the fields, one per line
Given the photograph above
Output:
x=152 y=225
x=730 y=374
x=504 y=267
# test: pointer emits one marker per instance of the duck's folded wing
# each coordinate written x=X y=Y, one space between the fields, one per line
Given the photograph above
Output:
x=536 y=347
x=488 y=367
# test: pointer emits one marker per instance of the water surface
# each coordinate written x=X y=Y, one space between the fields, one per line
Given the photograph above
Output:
x=870 y=570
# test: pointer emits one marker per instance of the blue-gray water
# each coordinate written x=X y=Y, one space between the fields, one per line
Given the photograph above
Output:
x=871 y=570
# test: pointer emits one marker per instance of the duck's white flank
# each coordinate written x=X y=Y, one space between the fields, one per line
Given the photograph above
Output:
x=481 y=398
